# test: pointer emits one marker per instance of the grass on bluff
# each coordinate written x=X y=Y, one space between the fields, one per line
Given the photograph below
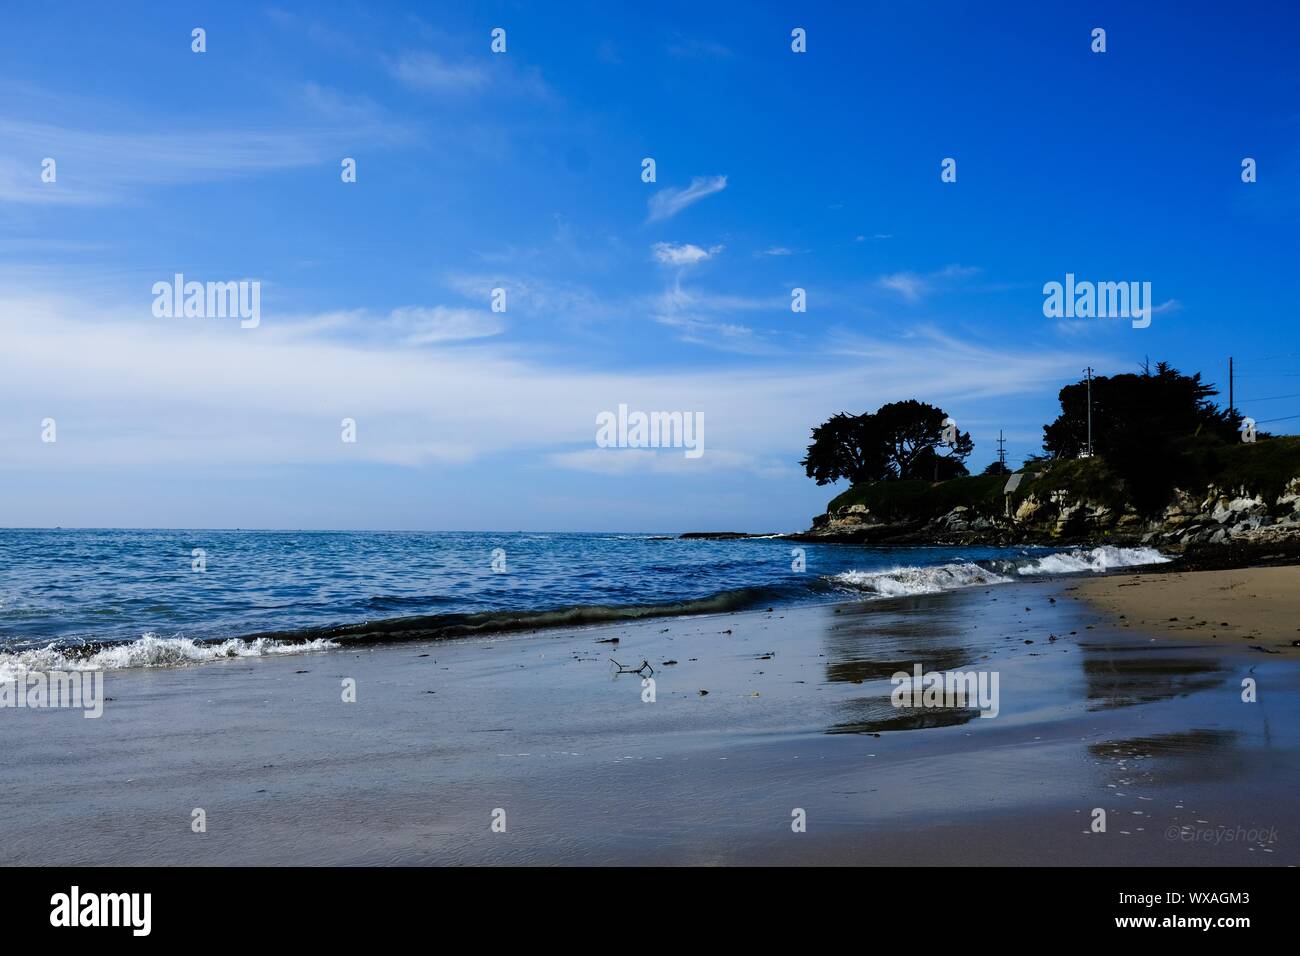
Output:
x=1263 y=467
x=1081 y=479
x=918 y=499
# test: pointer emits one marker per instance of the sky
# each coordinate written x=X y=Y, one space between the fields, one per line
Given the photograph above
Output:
x=522 y=170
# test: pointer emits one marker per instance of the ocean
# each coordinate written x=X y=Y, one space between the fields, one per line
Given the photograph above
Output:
x=141 y=598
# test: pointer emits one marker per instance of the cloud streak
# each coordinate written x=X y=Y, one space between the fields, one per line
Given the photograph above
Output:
x=669 y=202
x=182 y=393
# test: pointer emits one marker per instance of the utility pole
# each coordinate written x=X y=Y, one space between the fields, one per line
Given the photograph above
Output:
x=1231 y=404
x=1002 y=450
x=1088 y=372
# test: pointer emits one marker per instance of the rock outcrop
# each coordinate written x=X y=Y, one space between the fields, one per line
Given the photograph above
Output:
x=1217 y=516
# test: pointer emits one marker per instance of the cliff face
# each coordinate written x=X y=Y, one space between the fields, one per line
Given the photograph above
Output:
x=1214 y=517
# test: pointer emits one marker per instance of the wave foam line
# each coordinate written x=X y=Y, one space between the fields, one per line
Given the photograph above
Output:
x=1096 y=560
x=903 y=581
x=147 y=651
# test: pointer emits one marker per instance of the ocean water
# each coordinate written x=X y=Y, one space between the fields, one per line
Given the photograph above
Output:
x=104 y=598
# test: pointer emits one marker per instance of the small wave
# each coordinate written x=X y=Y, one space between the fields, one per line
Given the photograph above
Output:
x=147 y=651
x=426 y=627
x=1096 y=560
x=902 y=581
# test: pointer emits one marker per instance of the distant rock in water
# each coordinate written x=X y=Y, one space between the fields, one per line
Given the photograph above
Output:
x=721 y=535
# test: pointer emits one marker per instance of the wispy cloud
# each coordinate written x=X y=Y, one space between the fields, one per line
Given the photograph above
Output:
x=104 y=166
x=907 y=284
x=669 y=202
x=913 y=286
x=429 y=326
x=429 y=71
x=684 y=47
x=121 y=384
x=531 y=295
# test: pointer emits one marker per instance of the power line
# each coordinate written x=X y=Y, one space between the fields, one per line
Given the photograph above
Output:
x=1272 y=398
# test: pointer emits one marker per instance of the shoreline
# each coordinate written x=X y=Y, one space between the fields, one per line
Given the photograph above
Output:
x=797 y=715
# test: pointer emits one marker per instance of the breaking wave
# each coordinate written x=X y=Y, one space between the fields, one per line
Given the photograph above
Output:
x=904 y=581
x=147 y=651
x=1095 y=560
x=900 y=582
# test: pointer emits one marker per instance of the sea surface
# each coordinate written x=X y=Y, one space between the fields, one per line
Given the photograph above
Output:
x=133 y=598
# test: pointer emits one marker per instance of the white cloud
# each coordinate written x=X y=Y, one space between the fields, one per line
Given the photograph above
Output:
x=907 y=284
x=686 y=254
x=126 y=388
x=669 y=202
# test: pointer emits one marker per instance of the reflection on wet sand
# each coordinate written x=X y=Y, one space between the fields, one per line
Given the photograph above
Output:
x=1199 y=754
x=1121 y=675
x=875 y=641
x=873 y=715
x=1188 y=743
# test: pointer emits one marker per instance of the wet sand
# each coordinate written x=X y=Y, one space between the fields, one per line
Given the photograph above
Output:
x=797 y=716
x=1255 y=607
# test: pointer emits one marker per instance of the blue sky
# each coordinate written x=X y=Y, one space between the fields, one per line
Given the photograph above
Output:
x=521 y=170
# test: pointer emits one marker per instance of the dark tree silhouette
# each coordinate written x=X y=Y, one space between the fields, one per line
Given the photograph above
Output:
x=997 y=468
x=846 y=446
x=1144 y=425
x=1131 y=409
x=900 y=440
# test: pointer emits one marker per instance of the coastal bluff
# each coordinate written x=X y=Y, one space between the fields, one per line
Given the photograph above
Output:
x=1249 y=495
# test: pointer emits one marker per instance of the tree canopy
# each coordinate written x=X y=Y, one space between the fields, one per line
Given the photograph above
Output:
x=1144 y=424
x=907 y=439
x=1136 y=408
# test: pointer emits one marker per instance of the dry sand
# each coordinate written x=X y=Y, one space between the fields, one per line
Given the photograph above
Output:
x=1251 y=607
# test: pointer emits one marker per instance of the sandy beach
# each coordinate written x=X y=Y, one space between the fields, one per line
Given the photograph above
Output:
x=1255 y=607
x=1094 y=714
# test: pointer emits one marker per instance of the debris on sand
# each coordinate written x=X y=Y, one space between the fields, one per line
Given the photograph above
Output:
x=639 y=669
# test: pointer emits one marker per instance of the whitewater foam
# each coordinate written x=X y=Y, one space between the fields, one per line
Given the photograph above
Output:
x=1096 y=560
x=148 y=651
x=902 y=581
